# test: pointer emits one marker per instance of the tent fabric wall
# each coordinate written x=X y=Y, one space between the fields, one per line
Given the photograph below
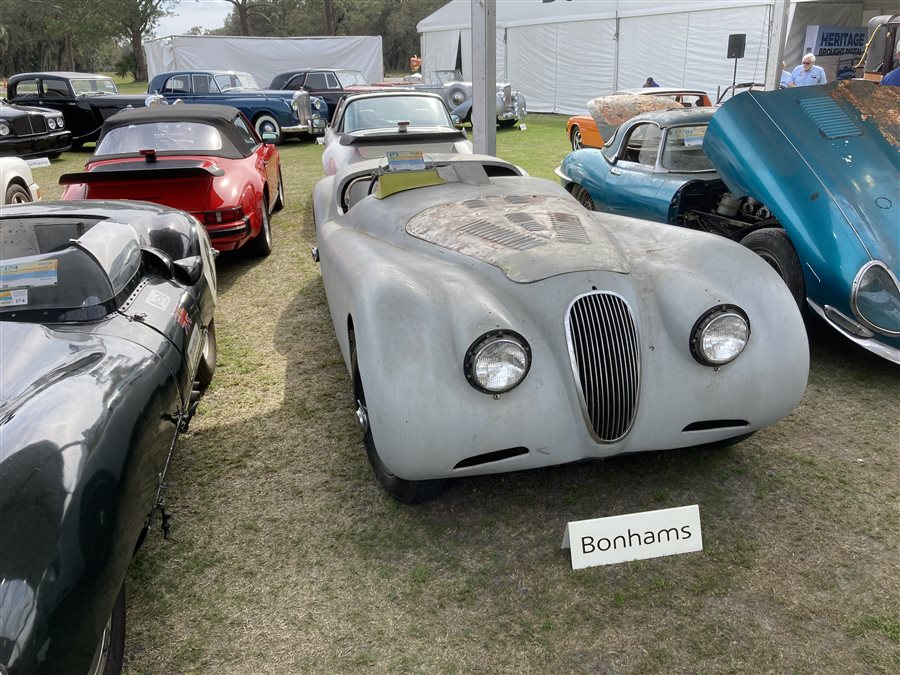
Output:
x=264 y=57
x=561 y=54
x=439 y=51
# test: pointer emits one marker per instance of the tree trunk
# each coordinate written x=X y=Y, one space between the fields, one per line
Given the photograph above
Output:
x=330 y=27
x=244 y=16
x=140 y=64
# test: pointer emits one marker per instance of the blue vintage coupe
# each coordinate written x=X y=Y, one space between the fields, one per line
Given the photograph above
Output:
x=283 y=113
x=806 y=177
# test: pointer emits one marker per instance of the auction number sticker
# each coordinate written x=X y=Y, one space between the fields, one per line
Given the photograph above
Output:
x=28 y=274
x=15 y=297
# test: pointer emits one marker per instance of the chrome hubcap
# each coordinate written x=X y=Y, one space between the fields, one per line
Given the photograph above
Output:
x=362 y=417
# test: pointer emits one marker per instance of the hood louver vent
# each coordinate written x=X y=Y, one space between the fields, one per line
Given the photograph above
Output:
x=831 y=121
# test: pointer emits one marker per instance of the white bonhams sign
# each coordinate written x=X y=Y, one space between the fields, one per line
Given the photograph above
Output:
x=652 y=534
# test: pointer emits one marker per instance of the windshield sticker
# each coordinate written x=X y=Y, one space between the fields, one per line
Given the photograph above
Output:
x=405 y=160
x=28 y=275
x=692 y=136
x=13 y=298
x=158 y=300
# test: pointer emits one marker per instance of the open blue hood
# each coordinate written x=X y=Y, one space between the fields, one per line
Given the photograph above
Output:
x=825 y=160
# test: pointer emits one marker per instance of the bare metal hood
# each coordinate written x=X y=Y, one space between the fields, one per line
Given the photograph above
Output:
x=529 y=237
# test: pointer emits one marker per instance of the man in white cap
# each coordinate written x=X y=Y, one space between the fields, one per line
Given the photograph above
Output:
x=807 y=73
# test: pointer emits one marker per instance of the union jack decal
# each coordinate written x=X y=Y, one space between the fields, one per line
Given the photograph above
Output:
x=183 y=319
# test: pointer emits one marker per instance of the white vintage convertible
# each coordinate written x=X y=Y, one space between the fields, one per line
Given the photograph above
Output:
x=490 y=323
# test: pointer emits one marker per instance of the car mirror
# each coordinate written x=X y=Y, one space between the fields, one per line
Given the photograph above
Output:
x=188 y=270
x=269 y=137
x=457 y=120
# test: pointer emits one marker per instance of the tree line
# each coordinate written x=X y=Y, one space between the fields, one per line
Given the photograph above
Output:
x=106 y=35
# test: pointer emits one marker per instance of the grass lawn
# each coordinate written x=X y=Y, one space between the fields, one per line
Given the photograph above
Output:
x=286 y=557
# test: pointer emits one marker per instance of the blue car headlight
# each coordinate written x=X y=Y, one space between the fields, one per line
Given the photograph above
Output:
x=720 y=335
x=497 y=361
x=875 y=298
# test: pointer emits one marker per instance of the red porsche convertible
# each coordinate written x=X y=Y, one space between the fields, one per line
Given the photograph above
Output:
x=203 y=159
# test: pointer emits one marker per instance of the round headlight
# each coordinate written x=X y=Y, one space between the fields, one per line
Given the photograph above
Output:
x=875 y=298
x=497 y=361
x=720 y=335
x=4 y=129
x=51 y=123
x=60 y=123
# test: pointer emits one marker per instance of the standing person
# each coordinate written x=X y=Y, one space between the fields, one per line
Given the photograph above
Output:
x=785 y=76
x=893 y=77
x=650 y=83
x=807 y=74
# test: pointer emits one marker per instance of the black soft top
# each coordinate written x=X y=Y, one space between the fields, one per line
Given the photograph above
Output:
x=219 y=116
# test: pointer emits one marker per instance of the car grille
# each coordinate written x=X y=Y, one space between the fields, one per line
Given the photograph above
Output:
x=507 y=97
x=603 y=348
x=302 y=108
x=28 y=125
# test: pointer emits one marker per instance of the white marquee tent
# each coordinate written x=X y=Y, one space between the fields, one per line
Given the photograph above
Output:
x=560 y=53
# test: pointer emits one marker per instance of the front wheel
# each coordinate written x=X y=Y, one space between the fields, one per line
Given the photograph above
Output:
x=583 y=197
x=111 y=651
x=774 y=246
x=405 y=491
x=16 y=194
x=261 y=244
x=207 y=366
x=575 y=137
x=266 y=124
x=278 y=204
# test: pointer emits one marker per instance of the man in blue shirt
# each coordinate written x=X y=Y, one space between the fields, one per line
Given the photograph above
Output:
x=893 y=77
x=807 y=74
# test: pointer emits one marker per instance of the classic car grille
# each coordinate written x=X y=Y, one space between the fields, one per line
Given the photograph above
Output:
x=302 y=108
x=603 y=348
x=29 y=125
x=507 y=96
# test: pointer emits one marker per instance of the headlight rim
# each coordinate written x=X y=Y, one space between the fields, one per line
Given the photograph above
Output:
x=481 y=343
x=854 y=294
x=704 y=321
x=5 y=129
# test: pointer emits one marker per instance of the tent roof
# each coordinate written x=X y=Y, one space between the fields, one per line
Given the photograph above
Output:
x=458 y=13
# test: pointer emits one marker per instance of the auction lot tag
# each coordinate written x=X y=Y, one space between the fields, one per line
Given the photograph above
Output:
x=635 y=536
x=405 y=160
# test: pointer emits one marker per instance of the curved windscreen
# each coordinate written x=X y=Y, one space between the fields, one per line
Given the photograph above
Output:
x=65 y=269
x=93 y=86
x=192 y=138
x=683 y=149
x=386 y=112
x=349 y=78
x=228 y=81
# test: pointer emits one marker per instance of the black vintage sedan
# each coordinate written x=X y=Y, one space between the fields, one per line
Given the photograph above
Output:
x=106 y=326
x=26 y=131
x=85 y=99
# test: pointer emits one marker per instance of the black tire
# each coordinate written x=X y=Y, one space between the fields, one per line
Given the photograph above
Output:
x=507 y=123
x=583 y=197
x=278 y=204
x=575 y=138
x=774 y=246
x=110 y=652
x=207 y=366
x=16 y=194
x=267 y=124
x=261 y=245
x=405 y=491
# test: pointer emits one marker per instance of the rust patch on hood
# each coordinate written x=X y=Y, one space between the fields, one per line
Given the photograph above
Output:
x=879 y=103
x=615 y=110
x=530 y=237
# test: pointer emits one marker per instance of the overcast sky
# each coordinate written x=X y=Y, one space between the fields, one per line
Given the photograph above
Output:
x=186 y=14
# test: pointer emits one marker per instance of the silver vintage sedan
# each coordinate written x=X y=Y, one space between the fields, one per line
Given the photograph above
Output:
x=490 y=323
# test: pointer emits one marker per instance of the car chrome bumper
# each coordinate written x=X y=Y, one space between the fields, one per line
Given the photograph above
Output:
x=871 y=344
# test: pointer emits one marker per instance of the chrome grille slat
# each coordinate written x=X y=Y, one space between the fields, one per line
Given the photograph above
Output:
x=603 y=348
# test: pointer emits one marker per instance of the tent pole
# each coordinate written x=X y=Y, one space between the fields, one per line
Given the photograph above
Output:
x=484 y=76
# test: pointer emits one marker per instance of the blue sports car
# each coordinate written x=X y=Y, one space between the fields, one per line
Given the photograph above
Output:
x=806 y=177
